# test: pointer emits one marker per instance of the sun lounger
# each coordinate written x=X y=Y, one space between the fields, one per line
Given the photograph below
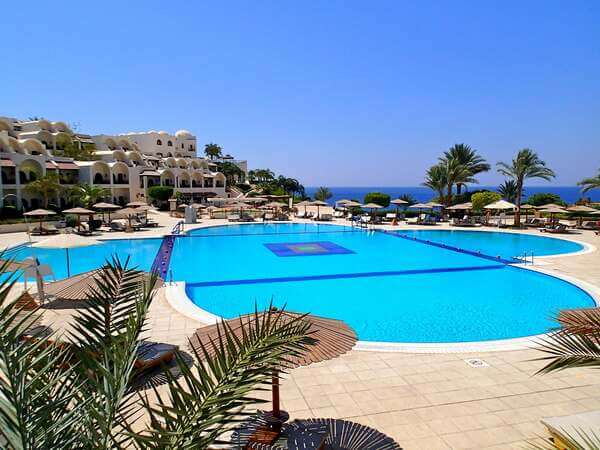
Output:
x=136 y=224
x=560 y=228
x=246 y=218
x=389 y=217
x=233 y=217
x=118 y=225
x=589 y=225
x=268 y=216
x=338 y=214
x=149 y=354
x=301 y=215
x=326 y=217
x=570 y=431
x=84 y=230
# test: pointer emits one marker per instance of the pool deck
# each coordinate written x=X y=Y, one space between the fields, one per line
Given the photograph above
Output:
x=425 y=401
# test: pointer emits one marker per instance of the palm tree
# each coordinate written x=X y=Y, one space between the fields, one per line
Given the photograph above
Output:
x=323 y=194
x=508 y=190
x=88 y=194
x=526 y=165
x=587 y=184
x=49 y=400
x=468 y=158
x=456 y=174
x=435 y=179
x=213 y=151
x=46 y=187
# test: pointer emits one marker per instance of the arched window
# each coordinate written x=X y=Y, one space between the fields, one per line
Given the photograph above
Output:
x=158 y=142
x=169 y=144
x=182 y=145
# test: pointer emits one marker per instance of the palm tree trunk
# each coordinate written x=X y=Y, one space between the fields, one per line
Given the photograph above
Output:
x=449 y=199
x=518 y=203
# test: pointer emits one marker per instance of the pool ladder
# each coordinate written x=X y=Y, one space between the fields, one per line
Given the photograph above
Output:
x=178 y=228
x=525 y=258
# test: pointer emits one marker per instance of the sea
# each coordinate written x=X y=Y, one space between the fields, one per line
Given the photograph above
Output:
x=569 y=194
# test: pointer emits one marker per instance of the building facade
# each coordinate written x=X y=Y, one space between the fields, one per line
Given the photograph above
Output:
x=126 y=165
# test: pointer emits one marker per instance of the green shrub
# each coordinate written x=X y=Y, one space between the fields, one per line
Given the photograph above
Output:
x=543 y=198
x=160 y=193
x=379 y=198
x=480 y=199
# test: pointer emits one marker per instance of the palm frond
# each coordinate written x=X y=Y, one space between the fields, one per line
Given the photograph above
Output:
x=106 y=337
x=209 y=398
x=566 y=350
x=39 y=405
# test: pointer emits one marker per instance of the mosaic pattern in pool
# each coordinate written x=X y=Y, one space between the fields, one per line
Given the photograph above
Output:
x=307 y=248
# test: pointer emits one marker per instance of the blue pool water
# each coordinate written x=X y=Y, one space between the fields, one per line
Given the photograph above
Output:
x=386 y=287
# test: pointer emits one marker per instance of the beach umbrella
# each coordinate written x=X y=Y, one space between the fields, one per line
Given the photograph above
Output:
x=552 y=211
x=461 y=207
x=581 y=210
x=435 y=205
x=79 y=212
x=420 y=207
x=66 y=241
x=527 y=208
x=500 y=205
x=136 y=204
x=398 y=202
x=549 y=205
x=106 y=207
x=40 y=214
x=130 y=213
x=198 y=206
x=372 y=206
x=332 y=339
x=318 y=204
x=78 y=286
x=304 y=203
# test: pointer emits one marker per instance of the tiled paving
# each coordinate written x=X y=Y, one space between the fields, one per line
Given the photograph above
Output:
x=425 y=401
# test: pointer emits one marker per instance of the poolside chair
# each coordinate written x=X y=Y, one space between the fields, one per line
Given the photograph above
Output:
x=136 y=224
x=570 y=432
x=589 y=225
x=149 y=354
x=389 y=217
x=233 y=217
x=146 y=222
x=268 y=216
x=84 y=230
x=559 y=228
x=338 y=214
x=326 y=217
x=118 y=225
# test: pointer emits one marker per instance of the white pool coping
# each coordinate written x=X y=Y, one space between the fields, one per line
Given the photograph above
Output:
x=178 y=299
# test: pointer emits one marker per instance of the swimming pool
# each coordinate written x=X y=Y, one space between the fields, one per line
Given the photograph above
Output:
x=390 y=287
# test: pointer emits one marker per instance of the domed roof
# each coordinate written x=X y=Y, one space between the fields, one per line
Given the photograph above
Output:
x=164 y=133
x=184 y=134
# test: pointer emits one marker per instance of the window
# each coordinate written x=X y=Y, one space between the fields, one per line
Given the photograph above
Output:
x=158 y=142
x=182 y=145
x=191 y=147
x=169 y=144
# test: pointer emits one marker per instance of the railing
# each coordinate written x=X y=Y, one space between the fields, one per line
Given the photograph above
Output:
x=178 y=228
x=525 y=258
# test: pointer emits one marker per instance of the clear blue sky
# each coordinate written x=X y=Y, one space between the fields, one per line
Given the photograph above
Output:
x=330 y=92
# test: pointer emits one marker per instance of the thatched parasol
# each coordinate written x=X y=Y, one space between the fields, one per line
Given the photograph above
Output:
x=40 y=213
x=66 y=241
x=318 y=204
x=333 y=338
x=108 y=207
x=136 y=204
x=500 y=205
x=80 y=212
x=77 y=287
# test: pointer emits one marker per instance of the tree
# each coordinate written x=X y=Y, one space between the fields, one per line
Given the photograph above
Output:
x=587 y=184
x=435 y=179
x=481 y=199
x=379 y=198
x=543 y=198
x=455 y=174
x=79 y=395
x=261 y=175
x=231 y=171
x=323 y=194
x=508 y=190
x=527 y=164
x=213 y=151
x=468 y=158
x=160 y=193
x=290 y=185
x=408 y=199
x=77 y=151
x=88 y=194
x=46 y=187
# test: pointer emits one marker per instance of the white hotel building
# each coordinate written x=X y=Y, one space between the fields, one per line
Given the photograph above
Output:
x=127 y=165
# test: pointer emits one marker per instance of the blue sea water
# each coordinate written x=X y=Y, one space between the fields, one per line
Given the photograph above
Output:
x=569 y=194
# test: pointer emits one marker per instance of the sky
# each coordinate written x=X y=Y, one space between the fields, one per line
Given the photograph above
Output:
x=334 y=93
